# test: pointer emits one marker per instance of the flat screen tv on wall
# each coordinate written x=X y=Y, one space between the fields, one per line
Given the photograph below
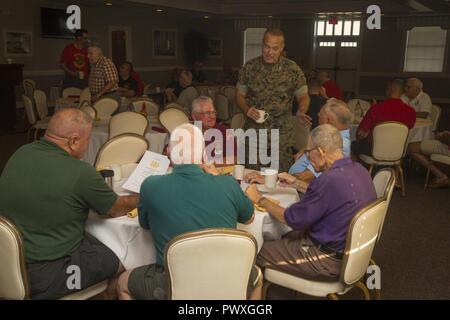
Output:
x=53 y=23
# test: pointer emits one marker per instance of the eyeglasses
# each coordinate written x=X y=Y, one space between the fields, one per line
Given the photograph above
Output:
x=209 y=114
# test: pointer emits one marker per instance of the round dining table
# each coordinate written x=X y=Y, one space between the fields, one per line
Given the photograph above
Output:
x=134 y=246
x=100 y=134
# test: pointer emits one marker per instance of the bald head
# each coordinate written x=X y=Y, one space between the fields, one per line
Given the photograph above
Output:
x=273 y=45
x=186 y=145
x=70 y=129
x=69 y=121
x=395 y=88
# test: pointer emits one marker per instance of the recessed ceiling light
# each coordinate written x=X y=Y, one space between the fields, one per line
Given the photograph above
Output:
x=270 y=17
x=108 y=4
x=159 y=10
x=206 y=17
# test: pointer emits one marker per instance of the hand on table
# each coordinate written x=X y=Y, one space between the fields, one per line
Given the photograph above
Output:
x=253 y=193
x=254 y=177
x=287 y=179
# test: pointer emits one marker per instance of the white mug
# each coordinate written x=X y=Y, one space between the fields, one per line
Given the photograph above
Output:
x=81 y=75
x=238 y=172
x=262 y=116
x=270 y=178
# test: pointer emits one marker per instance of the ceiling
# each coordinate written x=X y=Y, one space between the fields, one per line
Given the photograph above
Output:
x=282 y=8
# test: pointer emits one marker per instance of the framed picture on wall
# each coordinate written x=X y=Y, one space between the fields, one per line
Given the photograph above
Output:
x=17 y=43
x=214 y=47
x=164 y=43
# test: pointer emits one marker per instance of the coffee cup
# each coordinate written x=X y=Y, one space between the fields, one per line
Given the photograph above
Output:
x=238 y=172
x=81 y=75
x=270 y=178
x=262 y=116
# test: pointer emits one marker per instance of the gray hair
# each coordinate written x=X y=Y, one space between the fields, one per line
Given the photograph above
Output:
x=341 y=110
x=327 y=137
x=199 y=101
x=187 y=144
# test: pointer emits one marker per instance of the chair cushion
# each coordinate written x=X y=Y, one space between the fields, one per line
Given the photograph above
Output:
x=440 y=158
x=369 y=160
x=309 y=287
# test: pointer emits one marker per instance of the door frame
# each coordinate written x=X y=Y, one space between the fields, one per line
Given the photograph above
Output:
x=128 y=42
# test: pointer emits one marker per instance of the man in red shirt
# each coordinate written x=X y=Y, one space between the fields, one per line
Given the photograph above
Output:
x=74 y=61
x=392 y=109
x=331 y=88
x=223 y=149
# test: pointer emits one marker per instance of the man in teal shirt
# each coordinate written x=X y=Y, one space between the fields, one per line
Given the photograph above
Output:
x=47 y=192
x=191 y=198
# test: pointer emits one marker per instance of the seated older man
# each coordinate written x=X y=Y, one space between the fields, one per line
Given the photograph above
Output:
x=220 y=144
x=420 y=151
x=47 y=192
x=334 y=112
x=188 y=199
x=321 y=219
x=392 y=109
x=416 y=98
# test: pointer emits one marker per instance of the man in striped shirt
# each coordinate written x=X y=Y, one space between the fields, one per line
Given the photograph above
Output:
x=103 y=80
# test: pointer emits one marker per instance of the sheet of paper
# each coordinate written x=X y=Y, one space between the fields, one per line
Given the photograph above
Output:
x=151 y=164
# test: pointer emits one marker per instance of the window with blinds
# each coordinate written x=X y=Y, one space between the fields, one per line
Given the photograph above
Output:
x=425 y=49
x=253 y=43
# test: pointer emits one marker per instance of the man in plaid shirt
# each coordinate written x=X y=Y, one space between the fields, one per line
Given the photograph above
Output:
x=103 y=80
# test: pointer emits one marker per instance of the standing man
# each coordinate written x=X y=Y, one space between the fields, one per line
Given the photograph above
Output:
x=270 y=82
x=104 y=79
x=74 y=61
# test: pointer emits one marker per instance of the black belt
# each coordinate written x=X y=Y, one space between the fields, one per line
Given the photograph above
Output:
x=327 y=250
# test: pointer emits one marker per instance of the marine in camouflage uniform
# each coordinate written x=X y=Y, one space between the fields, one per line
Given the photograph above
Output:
x=272 y=88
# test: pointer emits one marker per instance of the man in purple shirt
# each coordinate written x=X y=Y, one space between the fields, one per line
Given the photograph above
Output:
x=321 y=219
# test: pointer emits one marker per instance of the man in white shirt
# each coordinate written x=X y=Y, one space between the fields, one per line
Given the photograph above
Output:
x=416 y=98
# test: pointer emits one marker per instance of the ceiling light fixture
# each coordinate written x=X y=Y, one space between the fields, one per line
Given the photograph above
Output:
x=206 y=17
x=159 y=10
x=108 y=4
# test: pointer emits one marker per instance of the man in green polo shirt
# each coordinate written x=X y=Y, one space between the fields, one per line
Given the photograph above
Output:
x=188 y=199
x=47 y=192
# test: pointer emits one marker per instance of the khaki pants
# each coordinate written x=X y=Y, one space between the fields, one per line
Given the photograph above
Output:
x=434 y=146
x=296 y=255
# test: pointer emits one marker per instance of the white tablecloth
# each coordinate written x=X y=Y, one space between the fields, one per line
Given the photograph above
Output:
x=134 y=246
x=422 y=130
x=264 y=226
x=157 y=141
